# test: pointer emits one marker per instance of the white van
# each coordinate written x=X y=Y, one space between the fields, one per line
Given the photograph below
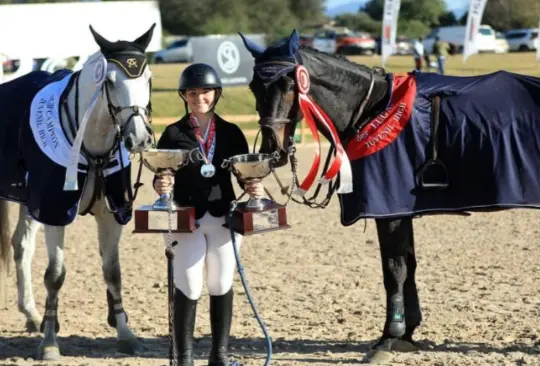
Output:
x=486 y=39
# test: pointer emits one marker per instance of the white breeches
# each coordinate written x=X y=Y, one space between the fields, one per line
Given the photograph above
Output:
x=211 y=244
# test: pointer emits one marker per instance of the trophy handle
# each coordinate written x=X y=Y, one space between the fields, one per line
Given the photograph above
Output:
x=226 y=164
x=197 y=154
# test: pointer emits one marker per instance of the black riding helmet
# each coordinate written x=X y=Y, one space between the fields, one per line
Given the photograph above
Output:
x=199 y=76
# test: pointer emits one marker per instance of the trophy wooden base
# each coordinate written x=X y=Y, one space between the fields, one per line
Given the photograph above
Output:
x=249 y=222
x=151 y=221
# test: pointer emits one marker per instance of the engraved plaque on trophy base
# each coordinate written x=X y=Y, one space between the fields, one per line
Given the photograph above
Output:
x=249 y=222
x=149 y=220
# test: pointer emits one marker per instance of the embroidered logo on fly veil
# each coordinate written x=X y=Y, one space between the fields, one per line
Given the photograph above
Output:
x=131 y=62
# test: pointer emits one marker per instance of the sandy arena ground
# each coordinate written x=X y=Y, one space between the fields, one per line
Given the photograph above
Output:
x=318 y=287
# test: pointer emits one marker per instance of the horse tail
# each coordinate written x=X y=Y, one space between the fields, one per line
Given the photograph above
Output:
x=5 y=249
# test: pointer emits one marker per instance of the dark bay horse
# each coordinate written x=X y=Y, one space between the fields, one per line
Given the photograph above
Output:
x=404 y=146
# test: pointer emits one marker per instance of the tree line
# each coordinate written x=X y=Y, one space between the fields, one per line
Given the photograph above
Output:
x=276 y=18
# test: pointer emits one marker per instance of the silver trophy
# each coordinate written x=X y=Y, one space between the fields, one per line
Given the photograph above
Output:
x=164 y=216
x=252 y=168
x=257 y=214
x=165 y=162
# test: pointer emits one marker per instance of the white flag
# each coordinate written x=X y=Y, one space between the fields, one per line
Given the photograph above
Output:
x=476 y=10
x=389 y=28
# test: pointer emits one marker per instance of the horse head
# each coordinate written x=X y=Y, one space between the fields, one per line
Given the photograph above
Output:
x=126 y=88
x=285 y=75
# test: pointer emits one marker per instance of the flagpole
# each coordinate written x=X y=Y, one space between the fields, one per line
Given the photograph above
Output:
x=389 y=28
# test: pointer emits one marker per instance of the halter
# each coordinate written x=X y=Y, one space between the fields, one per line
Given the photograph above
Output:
x=100 y=163
x=301 y=84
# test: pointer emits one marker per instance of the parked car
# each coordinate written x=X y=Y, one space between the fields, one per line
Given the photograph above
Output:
x=501 y=44
x=522 y=39
x=343 y=41
x=485 y=40
x=403 y=46
x=178 y=51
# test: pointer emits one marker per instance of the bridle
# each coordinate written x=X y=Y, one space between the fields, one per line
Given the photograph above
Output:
x=300 y=87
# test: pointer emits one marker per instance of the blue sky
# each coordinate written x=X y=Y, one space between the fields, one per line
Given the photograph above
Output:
x=451 y=4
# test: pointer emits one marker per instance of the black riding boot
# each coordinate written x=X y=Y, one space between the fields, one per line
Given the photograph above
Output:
x=220 y=321
x=185 y=310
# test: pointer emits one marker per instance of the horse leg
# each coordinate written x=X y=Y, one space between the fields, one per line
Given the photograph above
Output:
x=394 y=239
x=109 y=232
x=413 y=314
x=54 y=279
x=24 y=245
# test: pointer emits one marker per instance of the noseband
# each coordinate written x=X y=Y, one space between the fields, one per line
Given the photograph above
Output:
x=114 y=112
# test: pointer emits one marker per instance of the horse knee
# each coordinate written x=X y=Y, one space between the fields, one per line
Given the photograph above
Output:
x=54 y=279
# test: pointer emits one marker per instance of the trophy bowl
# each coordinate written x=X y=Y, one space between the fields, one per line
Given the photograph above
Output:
x=165 y=162
x=250 y=168
x=257 y=214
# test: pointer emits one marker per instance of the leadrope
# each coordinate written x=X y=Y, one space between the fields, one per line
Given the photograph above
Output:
x=242 y=275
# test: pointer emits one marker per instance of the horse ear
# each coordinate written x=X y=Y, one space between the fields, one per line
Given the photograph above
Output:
x=100 y=40
x=251 y=46
x=294 y=42
x=144 y=40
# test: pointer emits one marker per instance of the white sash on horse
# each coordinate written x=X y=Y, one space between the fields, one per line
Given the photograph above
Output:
x=49 y=134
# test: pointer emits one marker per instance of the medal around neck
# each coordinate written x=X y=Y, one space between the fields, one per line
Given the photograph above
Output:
x=208 y=170
x=255 y=215
x=163 y=215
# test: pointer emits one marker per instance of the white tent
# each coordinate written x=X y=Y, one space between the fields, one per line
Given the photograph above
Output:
x=60 y=30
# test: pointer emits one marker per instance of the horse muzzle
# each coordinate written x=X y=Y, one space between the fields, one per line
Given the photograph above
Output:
x=274 y=139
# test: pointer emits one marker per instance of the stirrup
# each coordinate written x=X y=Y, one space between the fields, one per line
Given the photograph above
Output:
x=433 y=175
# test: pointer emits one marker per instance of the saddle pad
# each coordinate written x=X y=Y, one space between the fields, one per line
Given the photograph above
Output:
x=489 y=141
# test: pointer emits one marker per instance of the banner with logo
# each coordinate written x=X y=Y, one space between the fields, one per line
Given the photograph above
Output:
x=476 y=11
x=227 y=55
x=389 y=28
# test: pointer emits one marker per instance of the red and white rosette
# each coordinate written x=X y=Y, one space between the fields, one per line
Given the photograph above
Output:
x=341 y=163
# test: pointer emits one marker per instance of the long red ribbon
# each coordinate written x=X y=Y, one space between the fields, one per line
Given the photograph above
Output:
x=311 y=111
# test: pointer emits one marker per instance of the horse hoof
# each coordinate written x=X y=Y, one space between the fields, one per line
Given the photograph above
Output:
x=377 y=357
x=402 y=346
x=50 y=353
x=129 y=346
x=32 y=325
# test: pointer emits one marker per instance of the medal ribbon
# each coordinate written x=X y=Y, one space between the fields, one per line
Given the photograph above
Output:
x=207 y=143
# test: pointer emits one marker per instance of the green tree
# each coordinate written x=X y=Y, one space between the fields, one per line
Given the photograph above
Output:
x=360 y=21
x=510 y=14
x=448 y=18
x=307 y=11
x=427 y=12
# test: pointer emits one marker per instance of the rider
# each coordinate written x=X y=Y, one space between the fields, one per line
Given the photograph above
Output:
x=208 y=187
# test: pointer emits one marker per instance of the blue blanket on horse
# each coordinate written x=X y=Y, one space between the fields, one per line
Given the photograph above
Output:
x=489 y=141
x=29 y=176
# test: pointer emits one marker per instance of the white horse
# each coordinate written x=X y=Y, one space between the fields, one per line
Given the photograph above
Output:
x=119 y=122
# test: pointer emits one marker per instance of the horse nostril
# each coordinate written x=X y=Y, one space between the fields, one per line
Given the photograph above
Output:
x=129 y=143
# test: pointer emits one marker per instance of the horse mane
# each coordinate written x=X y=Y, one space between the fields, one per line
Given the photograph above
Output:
x=340 y=61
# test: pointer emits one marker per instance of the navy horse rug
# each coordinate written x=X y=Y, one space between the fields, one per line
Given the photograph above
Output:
x=488 y=139
x=34 y=152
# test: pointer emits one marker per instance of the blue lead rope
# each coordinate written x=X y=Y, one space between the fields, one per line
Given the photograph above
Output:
x=240 y=269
